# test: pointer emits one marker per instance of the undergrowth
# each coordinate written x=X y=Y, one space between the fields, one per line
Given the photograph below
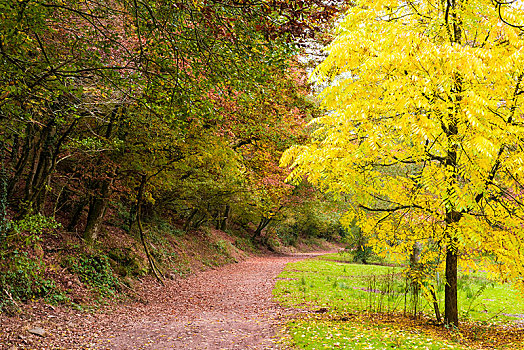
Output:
x=22 y=279
x=94 y=270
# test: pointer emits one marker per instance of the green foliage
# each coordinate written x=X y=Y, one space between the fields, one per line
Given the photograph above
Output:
x=222 y=247
x=245 y=244
x=125 y=262
x=312 y=216
x=358 y=245
x=161 y=227
x=34 y=225
x=22 y=278
x=317 y=221
x=94 y=270
x=288 y=235
x=124 y=215
x=362 y=254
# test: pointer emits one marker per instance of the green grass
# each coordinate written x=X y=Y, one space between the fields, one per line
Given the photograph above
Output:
x=344 y=288
x=319 y=334
x=346 y=257
x=337 y=286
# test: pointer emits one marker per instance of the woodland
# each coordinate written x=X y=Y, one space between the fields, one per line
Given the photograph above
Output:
x=140 y=136
x=125 y=125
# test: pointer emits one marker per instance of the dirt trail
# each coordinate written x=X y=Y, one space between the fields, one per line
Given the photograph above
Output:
x=227 y=308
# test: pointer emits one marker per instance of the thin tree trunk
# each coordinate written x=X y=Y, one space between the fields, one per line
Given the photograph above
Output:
x=97 y=209
x=225 y=217
x=77 y=213
x=261 y=226
x=22 y=161
x=435 y=306
x=452 y=216
x=18 y=154
x=152 y=265
x=451 y=307
x=415 y=269
x=51 y=159
x=98 y=204
x=34 y=164
x=200 y=221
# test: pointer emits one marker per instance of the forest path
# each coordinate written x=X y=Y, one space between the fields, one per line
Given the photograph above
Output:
x=230 y=307
x=227 y=308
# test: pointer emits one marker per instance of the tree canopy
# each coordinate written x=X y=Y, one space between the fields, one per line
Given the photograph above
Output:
x=193 y=97
x=423 y=131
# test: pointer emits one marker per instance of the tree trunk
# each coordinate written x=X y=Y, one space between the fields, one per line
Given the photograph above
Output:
x=187 y=224
x=451 y=308
x=451 y=162
x=452 y=216
x=44 y=162
x=21 y=161
x=223 y=222
x=77 y=214
x=156 y=271
x=37 y=149
x=97 y=209
x=414 y=262
x=98 y=204
x=200 y=221
x=261 y=225
x=435 y=306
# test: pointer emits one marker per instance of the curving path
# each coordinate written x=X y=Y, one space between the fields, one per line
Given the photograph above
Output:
x=227 y=308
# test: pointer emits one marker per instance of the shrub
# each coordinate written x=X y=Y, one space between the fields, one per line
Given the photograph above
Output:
x=22 y=278
x=94 y=271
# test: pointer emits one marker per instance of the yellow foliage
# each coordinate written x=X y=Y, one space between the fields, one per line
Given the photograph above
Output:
x=424 y=126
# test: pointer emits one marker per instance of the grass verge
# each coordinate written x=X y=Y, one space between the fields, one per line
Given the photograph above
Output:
x=366 y=307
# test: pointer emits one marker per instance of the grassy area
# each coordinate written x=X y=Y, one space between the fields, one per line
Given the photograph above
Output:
x=361 y=334
x=336 y=289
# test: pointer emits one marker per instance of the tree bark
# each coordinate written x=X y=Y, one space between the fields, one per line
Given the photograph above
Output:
x=451 y=307
x=435 y=306
x=45 y=157
x=156 y=271
x=97 y=210
x=21 y=161
x=98 y=202
x=261 y=225
x=452 y=215
x=414 y=262
x=225 y=217
x=187 y=224
x=77 y=213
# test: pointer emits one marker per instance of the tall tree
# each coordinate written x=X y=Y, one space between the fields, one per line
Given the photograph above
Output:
x=424 y=130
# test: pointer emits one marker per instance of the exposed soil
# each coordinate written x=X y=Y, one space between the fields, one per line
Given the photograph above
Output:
x=227 y=308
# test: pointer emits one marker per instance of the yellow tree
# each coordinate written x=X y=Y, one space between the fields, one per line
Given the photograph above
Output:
x=423 y=130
